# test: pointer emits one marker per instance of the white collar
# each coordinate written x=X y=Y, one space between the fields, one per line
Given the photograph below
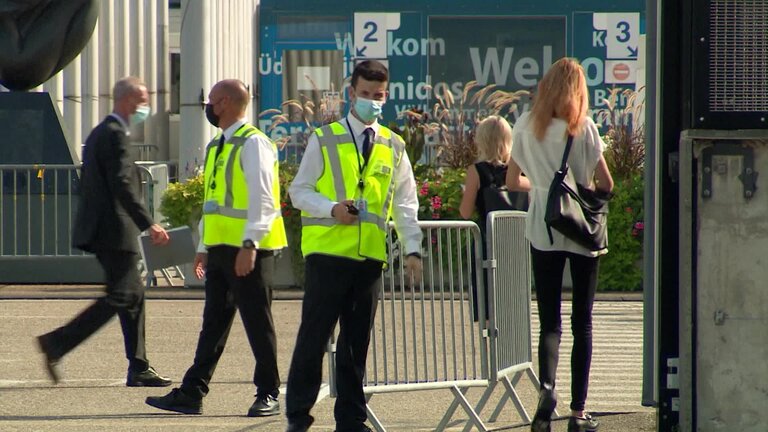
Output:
x=358 y=127
x=233 y=128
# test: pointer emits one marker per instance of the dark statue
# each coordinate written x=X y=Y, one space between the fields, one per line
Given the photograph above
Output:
x=38 y=38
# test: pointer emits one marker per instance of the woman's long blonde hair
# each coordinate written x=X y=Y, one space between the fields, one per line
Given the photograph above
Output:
x=562 y=93
x=493 y=137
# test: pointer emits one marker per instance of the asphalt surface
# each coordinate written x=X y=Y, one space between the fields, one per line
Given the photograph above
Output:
x=93 y=397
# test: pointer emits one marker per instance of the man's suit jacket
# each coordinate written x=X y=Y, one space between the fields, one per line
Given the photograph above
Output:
x=111 y=213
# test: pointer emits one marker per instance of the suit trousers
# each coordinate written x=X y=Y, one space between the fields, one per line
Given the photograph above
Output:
x=124 y=297
x=225 y=292
x=548 y=267
x=336 y=289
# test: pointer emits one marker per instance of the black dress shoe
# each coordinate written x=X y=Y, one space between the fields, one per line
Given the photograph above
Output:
x=51 y=359
x=264 y=406
x=147 y=378
x=364 y=428
x=176 y=401
x=585 y=424
x=547 y=403
x=300 y=426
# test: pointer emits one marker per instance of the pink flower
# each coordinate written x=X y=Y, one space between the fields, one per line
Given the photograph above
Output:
x=635 y=232
x=424 y=189
x=435 y=215
x=437 y=203
x=639 y=226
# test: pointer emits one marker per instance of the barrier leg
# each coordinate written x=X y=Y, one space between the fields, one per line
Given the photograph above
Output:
x=449 y=412
x=473 y=417
x=167 y=276
x=503 y=400
x=331 y=351
x=372 y=415
x=512 y=394
x=481 y=403
x=179 y=273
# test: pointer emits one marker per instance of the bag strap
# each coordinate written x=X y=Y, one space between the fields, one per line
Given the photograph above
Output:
x=563 y=165
x=566 y=152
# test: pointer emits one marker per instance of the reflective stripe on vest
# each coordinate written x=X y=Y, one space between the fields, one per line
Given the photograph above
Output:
x=225 y=208
x=367 y=238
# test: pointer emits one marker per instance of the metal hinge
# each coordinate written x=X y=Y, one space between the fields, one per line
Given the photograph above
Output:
x=748 y=174
x=673 y=164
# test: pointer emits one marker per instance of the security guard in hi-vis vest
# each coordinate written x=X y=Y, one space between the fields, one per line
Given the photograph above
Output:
x=353 y=176
x=240 y=231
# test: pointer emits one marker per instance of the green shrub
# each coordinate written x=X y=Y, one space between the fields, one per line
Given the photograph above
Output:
x=182 y=203
x=439 y=191
x=292 y=220
x=620 y=268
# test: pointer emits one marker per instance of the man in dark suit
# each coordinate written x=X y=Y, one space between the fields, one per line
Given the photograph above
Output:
x=110 y=217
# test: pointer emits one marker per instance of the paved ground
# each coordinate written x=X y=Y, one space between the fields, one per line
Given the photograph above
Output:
x=93 y=396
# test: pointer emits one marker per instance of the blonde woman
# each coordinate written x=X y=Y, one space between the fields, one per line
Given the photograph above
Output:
x=484 y=188
x=560 y=110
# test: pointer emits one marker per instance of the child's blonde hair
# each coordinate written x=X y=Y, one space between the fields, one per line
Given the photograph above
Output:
x=493 y=138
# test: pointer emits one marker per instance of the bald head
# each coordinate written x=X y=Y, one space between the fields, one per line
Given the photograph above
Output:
x=235 y=90
x=228 y=99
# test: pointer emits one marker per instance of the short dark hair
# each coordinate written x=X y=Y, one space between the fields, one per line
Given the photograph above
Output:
x=370 y=70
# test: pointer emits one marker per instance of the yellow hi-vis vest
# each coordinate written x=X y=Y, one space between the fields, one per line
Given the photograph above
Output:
x=225 y=207
x=339 y=182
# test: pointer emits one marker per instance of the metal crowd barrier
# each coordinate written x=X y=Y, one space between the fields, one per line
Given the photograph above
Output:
x=38 y=205
x=509 y=295
x=429 y=336
x=154 y=178
x=37 y=209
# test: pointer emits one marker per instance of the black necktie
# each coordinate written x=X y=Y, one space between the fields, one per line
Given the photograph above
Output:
x=219 y=148
x=368 y=132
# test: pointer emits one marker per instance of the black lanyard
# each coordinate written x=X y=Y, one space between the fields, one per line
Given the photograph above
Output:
x=360 y=182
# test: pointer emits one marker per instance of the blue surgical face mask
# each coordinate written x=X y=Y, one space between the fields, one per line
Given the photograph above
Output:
x=141 y=114
x=368 y=110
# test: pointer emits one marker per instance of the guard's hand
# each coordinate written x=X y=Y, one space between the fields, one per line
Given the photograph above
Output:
x=159 y=235
x=245 y=261
x=413 y=269
x=201 y=262
x=341 y=214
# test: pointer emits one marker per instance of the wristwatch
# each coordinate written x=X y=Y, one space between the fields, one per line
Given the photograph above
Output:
x=249 y=244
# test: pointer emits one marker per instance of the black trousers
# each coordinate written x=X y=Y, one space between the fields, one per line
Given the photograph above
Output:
x=548 y=277
x=124 y=297
x=225 y=293
x=336 y=289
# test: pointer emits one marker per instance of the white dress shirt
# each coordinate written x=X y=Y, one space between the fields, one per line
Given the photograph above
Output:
x=540 y=159
x=305 y=196
x=257 y=159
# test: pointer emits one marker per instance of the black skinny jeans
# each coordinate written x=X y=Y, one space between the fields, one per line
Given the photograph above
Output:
x=548 y=269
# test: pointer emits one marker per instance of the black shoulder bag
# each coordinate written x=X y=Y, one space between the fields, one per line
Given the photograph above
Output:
x=582 y=214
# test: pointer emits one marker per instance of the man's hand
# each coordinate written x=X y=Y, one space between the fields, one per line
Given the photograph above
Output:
x=341 y=214
x=159 y=235
x=245 y=262
x=413 y=269
x=201 y=262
